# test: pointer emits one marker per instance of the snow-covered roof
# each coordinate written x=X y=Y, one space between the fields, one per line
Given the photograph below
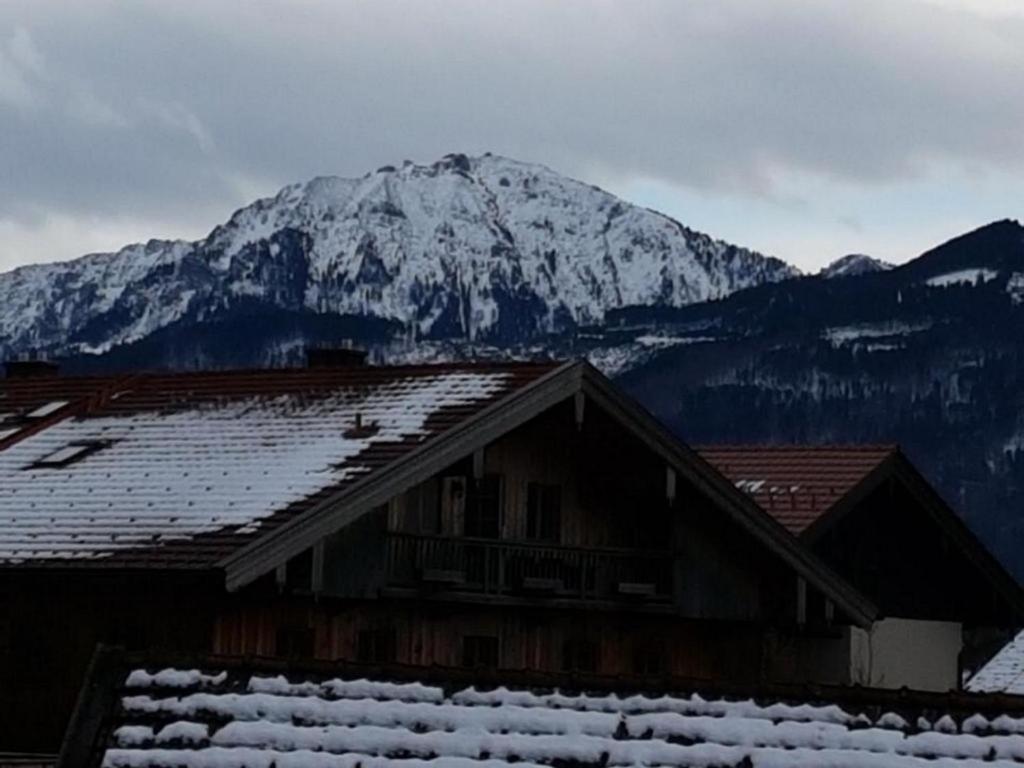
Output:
x=244 y=717
x=1004 y=673
x=182 y=469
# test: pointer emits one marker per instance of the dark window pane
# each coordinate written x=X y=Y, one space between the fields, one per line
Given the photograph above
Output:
x=430 y=509
x=483 y=508
x=299 y=572
x=544 y=512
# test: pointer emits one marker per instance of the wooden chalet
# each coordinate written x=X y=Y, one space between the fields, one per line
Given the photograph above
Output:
x=869 y=514
x=496 y=517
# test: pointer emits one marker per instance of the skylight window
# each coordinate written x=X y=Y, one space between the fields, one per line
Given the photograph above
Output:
x=68 y=454
x=45 y=410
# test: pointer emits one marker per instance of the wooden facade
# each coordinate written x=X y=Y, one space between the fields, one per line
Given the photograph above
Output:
x=553 y=641
x=565 y=547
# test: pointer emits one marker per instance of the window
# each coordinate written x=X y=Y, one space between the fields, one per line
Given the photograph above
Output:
x=544 y=512
x=480 y=651
x=294 y=642
x=580 y=655
x=376 y=646
x=483 y=508
x=299 y=572
x=45 y=410
x=68 y=454
x=423 y=508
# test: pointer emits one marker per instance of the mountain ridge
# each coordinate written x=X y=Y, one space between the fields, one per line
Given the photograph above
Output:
x=854 y=264
x=473 y=248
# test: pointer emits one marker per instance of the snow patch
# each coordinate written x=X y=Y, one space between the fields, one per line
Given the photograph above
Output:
x=973 y=276
x=839 y=336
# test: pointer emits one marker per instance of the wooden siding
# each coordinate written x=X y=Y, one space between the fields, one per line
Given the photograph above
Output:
x=605 y=502
x=614 y=494
x=528 y=639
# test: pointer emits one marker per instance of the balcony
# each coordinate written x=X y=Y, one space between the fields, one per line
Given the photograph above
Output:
x=491 y=567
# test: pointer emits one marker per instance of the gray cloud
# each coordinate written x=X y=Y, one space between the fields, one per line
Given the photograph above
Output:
x=179 y=112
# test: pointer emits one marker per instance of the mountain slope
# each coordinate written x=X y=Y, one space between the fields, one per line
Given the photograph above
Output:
x=929 y=354
x=483 y=248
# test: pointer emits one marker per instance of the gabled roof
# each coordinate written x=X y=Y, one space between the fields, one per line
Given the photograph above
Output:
x=797 y=484
x=241 y=471
x=576 y=380
x=230 y=712
x=810 y=488
x=179 y=470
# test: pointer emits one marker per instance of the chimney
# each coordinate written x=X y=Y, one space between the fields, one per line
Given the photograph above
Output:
x=30 y=369
x=335 y=357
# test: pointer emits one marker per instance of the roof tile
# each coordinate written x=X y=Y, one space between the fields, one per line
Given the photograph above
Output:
x=796 y=484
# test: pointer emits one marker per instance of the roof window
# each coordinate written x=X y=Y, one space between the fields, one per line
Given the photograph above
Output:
x=45 y=410
x=69 y=454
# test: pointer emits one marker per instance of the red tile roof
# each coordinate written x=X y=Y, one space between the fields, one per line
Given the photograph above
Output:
x=192 y=466
x=796 y=484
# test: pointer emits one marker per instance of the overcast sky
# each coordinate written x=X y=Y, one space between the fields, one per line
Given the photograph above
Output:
x=802 y=129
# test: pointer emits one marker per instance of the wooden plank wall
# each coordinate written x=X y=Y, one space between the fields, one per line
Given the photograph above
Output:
x=529 y=639
x=609 y=495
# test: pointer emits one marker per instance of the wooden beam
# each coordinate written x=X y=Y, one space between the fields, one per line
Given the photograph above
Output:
x=316 y=578
x=478 y=464
x=801 y=600
x=579 y=404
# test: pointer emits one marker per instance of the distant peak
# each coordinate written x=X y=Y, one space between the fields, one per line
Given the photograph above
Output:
x=854 y=264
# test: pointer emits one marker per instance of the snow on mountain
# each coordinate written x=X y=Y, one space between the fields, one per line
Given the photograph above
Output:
x=474 y=248
x=854 y=264
x=971 y=276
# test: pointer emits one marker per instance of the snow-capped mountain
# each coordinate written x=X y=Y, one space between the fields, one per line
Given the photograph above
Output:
x=481 y=248
x=854 y=264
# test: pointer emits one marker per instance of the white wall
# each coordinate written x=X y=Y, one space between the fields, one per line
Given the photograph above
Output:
x=907 y=652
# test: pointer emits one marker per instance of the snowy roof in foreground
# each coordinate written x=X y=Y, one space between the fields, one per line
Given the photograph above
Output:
x=181 y=469
x=1004 y=673
x=243 y=718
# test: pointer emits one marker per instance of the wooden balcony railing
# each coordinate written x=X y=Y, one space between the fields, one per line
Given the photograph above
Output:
x=498 y=567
